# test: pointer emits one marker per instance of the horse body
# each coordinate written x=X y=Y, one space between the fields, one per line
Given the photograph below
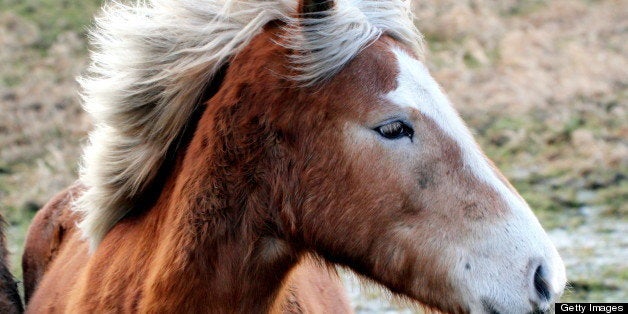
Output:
x=368 y=168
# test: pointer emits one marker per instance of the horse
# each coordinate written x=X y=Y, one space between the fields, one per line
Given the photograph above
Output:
x=237 y=143
x=10 y=301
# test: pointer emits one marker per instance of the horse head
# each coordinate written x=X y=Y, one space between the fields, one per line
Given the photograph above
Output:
x=369 y=166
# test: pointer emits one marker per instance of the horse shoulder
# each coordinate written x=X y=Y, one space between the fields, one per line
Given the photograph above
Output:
x=48 y=232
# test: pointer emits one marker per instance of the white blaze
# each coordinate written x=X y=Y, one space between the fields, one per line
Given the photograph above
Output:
x=417 y=89
x=520 y=238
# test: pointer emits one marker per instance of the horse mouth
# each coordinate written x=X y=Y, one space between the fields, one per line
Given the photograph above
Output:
x=489 y=308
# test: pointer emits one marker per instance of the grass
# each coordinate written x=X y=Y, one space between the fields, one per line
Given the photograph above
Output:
x=53 y=17
x=524 y=7
x=589 y=291
x=40 y=129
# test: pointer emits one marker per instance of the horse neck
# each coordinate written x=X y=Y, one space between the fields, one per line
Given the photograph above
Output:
x=221 y=246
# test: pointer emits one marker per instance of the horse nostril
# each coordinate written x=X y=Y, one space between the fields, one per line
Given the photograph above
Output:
x=540 y=284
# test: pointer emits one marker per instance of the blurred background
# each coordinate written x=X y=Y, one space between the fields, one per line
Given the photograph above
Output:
x=542 y=83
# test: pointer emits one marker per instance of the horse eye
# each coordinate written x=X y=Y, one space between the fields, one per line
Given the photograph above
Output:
x=395 y=130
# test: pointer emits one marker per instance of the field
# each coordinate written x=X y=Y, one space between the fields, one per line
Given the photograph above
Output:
x=543 y=84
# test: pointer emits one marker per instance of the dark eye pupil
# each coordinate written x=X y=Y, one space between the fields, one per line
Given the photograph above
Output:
x=395 y=130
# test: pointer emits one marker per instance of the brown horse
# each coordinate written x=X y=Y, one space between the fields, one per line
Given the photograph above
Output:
x=10 y=301
x=233 y=139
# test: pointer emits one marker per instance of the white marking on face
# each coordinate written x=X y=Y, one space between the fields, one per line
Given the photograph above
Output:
x=417 y=89
x=521 y=236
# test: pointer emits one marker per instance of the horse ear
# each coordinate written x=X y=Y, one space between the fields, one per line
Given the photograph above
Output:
x=315 y=8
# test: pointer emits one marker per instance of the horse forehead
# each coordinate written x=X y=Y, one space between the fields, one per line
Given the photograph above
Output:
x=374 y=70
x=415 y=88
x=417 y=91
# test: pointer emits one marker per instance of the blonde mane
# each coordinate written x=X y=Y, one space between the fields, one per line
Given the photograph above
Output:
x=152 y=61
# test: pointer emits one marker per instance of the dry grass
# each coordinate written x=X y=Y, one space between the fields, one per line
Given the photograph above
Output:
x=542 y=83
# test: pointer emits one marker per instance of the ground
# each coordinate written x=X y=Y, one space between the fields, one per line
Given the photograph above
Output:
x=542 y=84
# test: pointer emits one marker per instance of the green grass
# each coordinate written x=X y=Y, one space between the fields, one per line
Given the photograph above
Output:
x=525 y=7
x=53 y=17
x=28 y=164
x=588 y=291
x=604 y=286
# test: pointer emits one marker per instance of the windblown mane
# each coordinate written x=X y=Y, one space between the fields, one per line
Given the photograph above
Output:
x=152 y=61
